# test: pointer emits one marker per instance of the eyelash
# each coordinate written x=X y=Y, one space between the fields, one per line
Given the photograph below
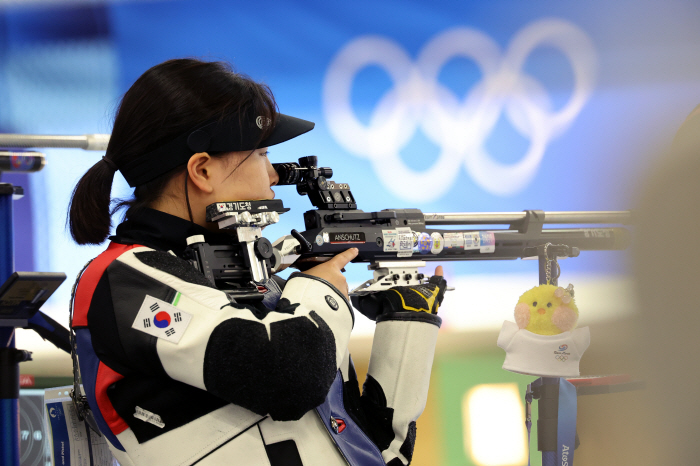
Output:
x=265 y=154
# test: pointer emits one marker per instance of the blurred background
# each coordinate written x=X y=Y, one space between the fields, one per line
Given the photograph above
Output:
x=451 y=106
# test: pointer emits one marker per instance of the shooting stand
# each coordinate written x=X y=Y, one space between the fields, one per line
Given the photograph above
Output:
x=546 y=389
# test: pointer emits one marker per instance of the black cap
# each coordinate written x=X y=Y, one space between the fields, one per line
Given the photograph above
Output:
x=236 y=133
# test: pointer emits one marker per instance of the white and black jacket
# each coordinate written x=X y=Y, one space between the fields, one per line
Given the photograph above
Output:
x=177 y=374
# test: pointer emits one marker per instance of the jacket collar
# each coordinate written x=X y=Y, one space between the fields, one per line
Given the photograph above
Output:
x=161 y=231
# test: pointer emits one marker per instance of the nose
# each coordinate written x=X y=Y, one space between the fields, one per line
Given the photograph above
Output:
x=272 y=173
x=541 y=311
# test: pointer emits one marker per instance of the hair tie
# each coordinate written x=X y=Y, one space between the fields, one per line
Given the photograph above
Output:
x=110 y=164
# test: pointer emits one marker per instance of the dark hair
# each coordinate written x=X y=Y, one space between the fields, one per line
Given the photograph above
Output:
x=166 y=101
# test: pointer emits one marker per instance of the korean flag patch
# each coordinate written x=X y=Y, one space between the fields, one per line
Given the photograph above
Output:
x=161 y=319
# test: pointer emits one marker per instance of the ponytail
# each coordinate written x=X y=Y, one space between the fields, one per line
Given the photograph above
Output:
x=89 y=216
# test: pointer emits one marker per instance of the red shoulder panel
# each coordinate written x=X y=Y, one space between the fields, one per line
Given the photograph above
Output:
x=105 y=378
x=90 y=278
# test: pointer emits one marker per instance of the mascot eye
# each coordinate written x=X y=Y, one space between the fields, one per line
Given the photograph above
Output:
x=549 y=304
x=535 y=303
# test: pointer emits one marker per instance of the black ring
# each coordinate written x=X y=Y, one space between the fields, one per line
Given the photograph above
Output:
x=110 y=164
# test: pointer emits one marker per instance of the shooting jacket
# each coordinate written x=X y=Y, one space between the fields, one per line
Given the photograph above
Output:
x=178 y=374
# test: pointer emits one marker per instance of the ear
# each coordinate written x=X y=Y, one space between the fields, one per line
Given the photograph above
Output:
x=199 y=171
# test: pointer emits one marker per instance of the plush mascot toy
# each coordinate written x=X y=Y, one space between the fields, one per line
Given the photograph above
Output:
x=544 y=340
x=547 y=310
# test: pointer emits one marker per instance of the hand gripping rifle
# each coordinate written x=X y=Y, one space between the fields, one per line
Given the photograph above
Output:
x=395 y=243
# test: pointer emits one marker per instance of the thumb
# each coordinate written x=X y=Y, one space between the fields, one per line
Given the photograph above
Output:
x=438 y=271
x=342 y=259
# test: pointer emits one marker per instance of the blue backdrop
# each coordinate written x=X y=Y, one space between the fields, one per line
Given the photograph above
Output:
x=446 y=106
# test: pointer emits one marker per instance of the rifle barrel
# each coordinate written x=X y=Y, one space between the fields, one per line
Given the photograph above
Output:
x=498 y=218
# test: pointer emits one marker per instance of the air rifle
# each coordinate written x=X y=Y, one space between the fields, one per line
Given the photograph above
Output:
x=395 y=243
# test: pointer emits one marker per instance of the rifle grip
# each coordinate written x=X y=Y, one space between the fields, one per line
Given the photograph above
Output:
x=303 y=244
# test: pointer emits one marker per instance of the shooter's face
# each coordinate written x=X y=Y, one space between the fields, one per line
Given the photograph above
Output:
x=243 y=176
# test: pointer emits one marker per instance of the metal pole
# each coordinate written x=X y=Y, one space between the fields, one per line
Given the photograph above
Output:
x=547 y=393
x=548 y=403
x=9 y=370
x=86 y=141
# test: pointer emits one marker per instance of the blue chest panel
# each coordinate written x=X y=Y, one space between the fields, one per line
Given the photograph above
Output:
x=353 y=443
x=89 y=365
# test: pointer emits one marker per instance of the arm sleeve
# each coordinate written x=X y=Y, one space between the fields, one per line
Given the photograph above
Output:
x=280 y=362
x=396 y=388
x=508 y=331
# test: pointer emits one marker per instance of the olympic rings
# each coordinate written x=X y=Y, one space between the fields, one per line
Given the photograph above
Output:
x=458 y=126
x=561 y=357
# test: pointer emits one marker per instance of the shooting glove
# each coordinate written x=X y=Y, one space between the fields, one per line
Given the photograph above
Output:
x=417 y=298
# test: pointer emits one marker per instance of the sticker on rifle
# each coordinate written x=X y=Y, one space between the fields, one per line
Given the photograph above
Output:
x=161 y=319
x=488 y=242
x=438 y=243
x=326 y=238
x=472 y=240
x=405 y=241
x=390 y=240
x=425 y=243
x=347 y=238
x=415 y=249
x=454 y=240
x=319 y=240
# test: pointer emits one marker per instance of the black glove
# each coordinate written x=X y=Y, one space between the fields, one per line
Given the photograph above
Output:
x=417 y=298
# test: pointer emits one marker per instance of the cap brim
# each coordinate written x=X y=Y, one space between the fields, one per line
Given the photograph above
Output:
x=287 y=127
x=214 y=136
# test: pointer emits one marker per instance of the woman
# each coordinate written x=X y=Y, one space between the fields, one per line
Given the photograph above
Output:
x=174 y=371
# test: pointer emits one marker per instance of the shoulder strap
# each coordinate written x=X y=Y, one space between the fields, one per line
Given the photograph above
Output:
x=80 y=401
